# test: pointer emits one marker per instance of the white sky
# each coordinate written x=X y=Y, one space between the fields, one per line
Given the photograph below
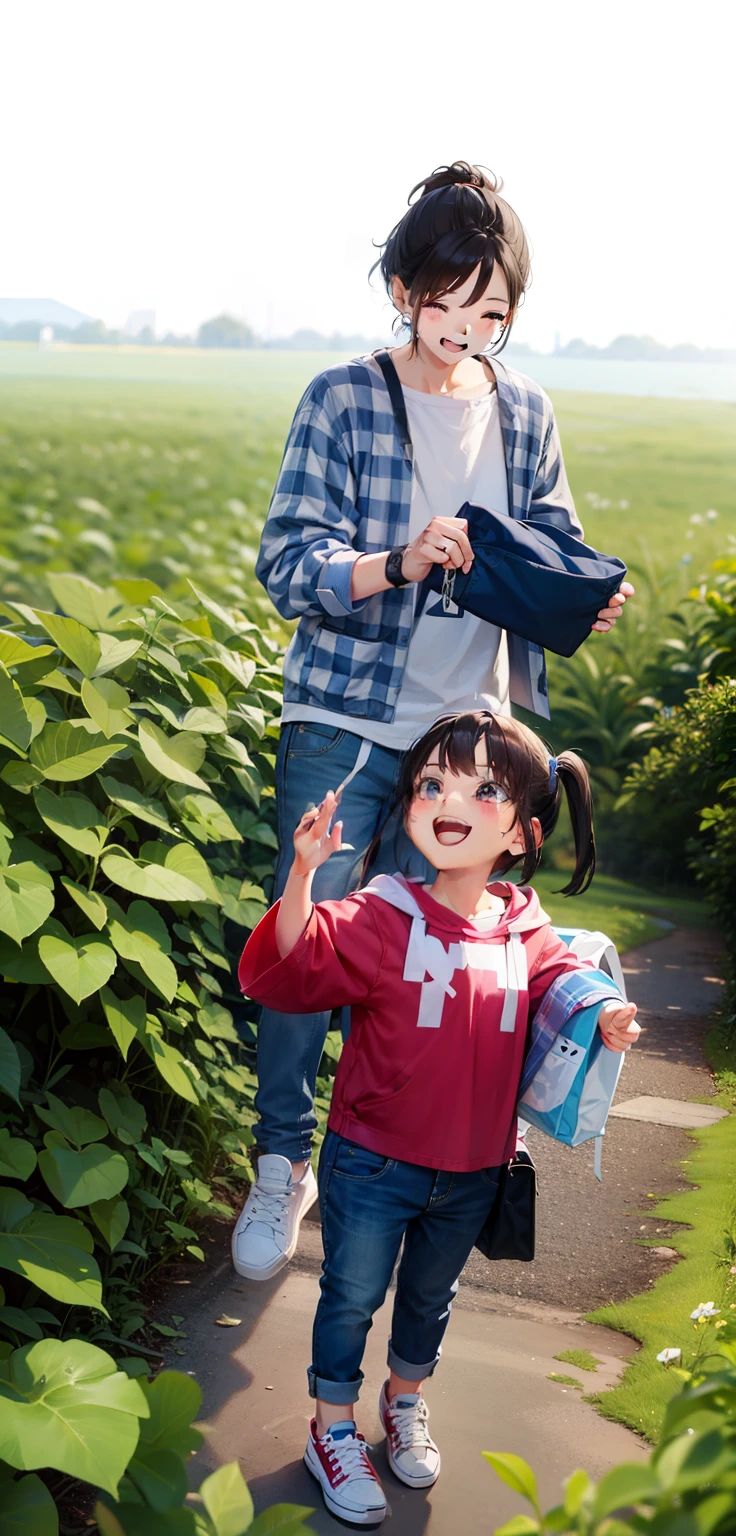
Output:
x=193 y=156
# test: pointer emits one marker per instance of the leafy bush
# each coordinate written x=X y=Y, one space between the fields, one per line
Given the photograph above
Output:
x=680 y=802
x=688 y=1486
x=718 y=597
x=136 y=806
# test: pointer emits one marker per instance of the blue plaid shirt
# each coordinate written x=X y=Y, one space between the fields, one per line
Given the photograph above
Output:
x=344 y=489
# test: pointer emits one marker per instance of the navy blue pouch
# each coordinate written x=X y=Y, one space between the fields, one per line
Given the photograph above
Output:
x=530 y=578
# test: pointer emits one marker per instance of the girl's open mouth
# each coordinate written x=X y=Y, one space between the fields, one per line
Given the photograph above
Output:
x=453 y=346
x=449 y=831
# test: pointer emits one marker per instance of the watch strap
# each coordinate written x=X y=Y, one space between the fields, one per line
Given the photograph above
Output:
x=394 y=572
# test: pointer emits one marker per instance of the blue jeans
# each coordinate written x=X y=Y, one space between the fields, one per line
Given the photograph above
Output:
x=368 y=1204
x=312 y=759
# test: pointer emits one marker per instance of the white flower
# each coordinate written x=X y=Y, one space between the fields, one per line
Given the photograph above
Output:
x=705 y=1309
x=667 y=1355
x=711 y=515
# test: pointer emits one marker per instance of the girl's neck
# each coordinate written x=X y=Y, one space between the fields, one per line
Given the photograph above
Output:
x=465 y=891
x=421 y=370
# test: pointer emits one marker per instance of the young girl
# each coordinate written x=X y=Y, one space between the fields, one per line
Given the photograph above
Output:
x=423 y=1112
x=382 y=454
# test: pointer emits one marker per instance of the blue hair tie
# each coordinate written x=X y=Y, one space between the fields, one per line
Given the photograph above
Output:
x=552 y=785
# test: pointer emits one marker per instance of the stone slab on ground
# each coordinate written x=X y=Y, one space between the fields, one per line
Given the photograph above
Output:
x=668 y=1112
x=490 y=1392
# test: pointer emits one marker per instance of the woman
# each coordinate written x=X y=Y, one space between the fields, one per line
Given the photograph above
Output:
x=382 y=453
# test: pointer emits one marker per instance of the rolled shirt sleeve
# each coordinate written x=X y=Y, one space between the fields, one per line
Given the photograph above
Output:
x=308 y=544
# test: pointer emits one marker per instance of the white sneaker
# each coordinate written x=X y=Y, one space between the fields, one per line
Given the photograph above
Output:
x=350 y=1485
x=267 y=1230
x=412 y=1453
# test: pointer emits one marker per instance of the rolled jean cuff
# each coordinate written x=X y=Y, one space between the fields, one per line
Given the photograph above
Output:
x=406 y=1369
x=333 y=1391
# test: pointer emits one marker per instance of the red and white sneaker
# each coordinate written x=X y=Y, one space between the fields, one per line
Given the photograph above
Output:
x=412 y=1453
x=350 y=1486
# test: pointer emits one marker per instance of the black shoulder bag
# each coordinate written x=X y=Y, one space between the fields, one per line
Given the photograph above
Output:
x=508 y=1230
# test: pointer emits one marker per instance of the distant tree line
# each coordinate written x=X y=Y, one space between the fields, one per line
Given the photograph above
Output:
x=224 y=331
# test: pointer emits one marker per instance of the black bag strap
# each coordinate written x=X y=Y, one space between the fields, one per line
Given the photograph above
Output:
x=395 y=394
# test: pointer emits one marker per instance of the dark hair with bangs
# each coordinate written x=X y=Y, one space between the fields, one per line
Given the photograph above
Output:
x=522 y=763
x=459 y=222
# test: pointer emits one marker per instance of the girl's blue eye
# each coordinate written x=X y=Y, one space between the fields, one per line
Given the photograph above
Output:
x=492 y=792
x=429 y=789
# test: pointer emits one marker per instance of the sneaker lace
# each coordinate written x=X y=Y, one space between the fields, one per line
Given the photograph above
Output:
x=348 y=1456
x=268 y=1208
x=410 y=1424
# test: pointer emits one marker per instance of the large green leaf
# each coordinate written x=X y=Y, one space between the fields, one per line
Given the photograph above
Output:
x=27 y=1508
x=14 y=722
x=107 y=704
x=76 y=1124
x=65 y=1405
x=88 y=902
x=141 y=934
x=115 y=654
x=26 y=899
x=126 y=1118
x=65 y=752
x=185 y=860
x=203 y=816
x=126 y=1019
x=175 y=757
x=10 y=1073
x=172 y=1066
x=74 y=639
x=201 y=718
x=159 y=882
x=51 y=1252
x=80 y=965
x=16 y=652
x=136 y=804
x=174 y=1400
x=227 y=1500
x=111 y=1217
x=81 y=1178
x=73 y=818
x=17 y=1157
x=82 y=600
x=129 y=1519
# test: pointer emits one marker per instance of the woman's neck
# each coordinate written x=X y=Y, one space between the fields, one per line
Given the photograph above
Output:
x=465 y=891
x=423 y=371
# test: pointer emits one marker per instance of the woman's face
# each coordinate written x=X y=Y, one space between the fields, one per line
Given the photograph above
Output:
x=450 y=328
x=461 y=820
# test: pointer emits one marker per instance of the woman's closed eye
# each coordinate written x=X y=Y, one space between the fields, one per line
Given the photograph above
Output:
x=493 y=792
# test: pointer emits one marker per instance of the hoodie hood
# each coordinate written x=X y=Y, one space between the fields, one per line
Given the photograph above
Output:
x=523 y=912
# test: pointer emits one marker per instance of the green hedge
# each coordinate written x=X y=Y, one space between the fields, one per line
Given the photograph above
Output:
x=136 y=839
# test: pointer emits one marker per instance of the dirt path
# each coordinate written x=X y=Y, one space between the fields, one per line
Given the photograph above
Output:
x=492 y=1389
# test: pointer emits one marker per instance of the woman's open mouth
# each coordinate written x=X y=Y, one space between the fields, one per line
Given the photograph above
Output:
x=453 y=346
x=449 y=831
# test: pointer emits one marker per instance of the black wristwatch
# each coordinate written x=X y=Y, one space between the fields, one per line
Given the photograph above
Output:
x=394 y=572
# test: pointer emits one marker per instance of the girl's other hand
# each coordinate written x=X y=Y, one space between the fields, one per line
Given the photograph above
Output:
x=616 y=1024
x=443 y=542
x=313 y=843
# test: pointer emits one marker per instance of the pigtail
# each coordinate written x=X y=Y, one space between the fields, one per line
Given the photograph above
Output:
x=572 y=775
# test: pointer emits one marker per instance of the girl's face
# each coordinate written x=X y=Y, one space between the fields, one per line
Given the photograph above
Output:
x=450 y=328
x=460 y=820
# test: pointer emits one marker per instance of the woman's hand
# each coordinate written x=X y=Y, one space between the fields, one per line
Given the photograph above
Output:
x=608 y=616
x=313 y=843
x=443 y=542
x=616 y=1024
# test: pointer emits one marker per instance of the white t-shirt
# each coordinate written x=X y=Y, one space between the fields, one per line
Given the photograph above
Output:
x=455 y=661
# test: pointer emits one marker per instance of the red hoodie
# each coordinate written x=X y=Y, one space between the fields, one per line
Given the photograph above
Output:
x=440 y=1006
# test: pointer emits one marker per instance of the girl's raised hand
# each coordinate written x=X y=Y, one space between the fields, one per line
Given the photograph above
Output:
x=616 y=1024
x=313 y=843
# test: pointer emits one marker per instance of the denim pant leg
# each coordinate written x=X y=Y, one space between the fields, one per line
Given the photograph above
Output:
x=366 y=1202
x=313 y=758
x=437 y=1245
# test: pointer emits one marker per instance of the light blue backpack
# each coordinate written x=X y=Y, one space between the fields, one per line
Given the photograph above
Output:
x=570 y=1076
